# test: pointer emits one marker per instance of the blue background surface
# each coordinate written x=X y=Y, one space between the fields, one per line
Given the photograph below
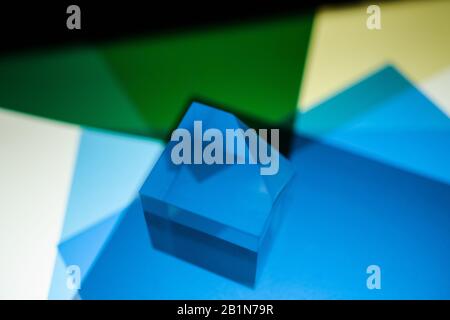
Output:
x=355 y=200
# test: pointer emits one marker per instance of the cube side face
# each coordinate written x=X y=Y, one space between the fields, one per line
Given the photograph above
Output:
x=176 y=214
x=204 y=250
x=273 y=228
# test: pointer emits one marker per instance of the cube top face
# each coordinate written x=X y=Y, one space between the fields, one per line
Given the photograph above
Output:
x=230 y=201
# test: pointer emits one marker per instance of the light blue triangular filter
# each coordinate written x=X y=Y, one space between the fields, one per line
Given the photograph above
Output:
x=109 y=170
x=409 y=109
x=405 y=129
x=354 y=101
x=58 y=287
x=82 y=249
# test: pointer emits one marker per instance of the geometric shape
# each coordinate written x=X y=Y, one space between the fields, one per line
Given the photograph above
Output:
x=82 y=249
x=142 y=86
x=340 y=34
x=225 y=219
x=162 y=75
x=436 y=88
x=109 y=170
x=353 y=102
x=403 y=127
x=73 y=85
x=36 y=165
x=58 y=289
x=367 y=213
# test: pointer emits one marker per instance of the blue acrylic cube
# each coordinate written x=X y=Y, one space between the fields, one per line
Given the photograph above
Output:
x=220 y=215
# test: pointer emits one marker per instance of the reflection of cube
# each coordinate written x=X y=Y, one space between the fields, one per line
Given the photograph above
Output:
x=217 y=216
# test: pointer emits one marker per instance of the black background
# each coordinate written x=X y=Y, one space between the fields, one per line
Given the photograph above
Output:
x=30 y=24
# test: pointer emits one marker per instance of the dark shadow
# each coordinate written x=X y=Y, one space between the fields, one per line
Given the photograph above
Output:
x=286 y=126
x=133 y=19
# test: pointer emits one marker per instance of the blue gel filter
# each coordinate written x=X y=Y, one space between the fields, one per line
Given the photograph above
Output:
x=218 y=216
